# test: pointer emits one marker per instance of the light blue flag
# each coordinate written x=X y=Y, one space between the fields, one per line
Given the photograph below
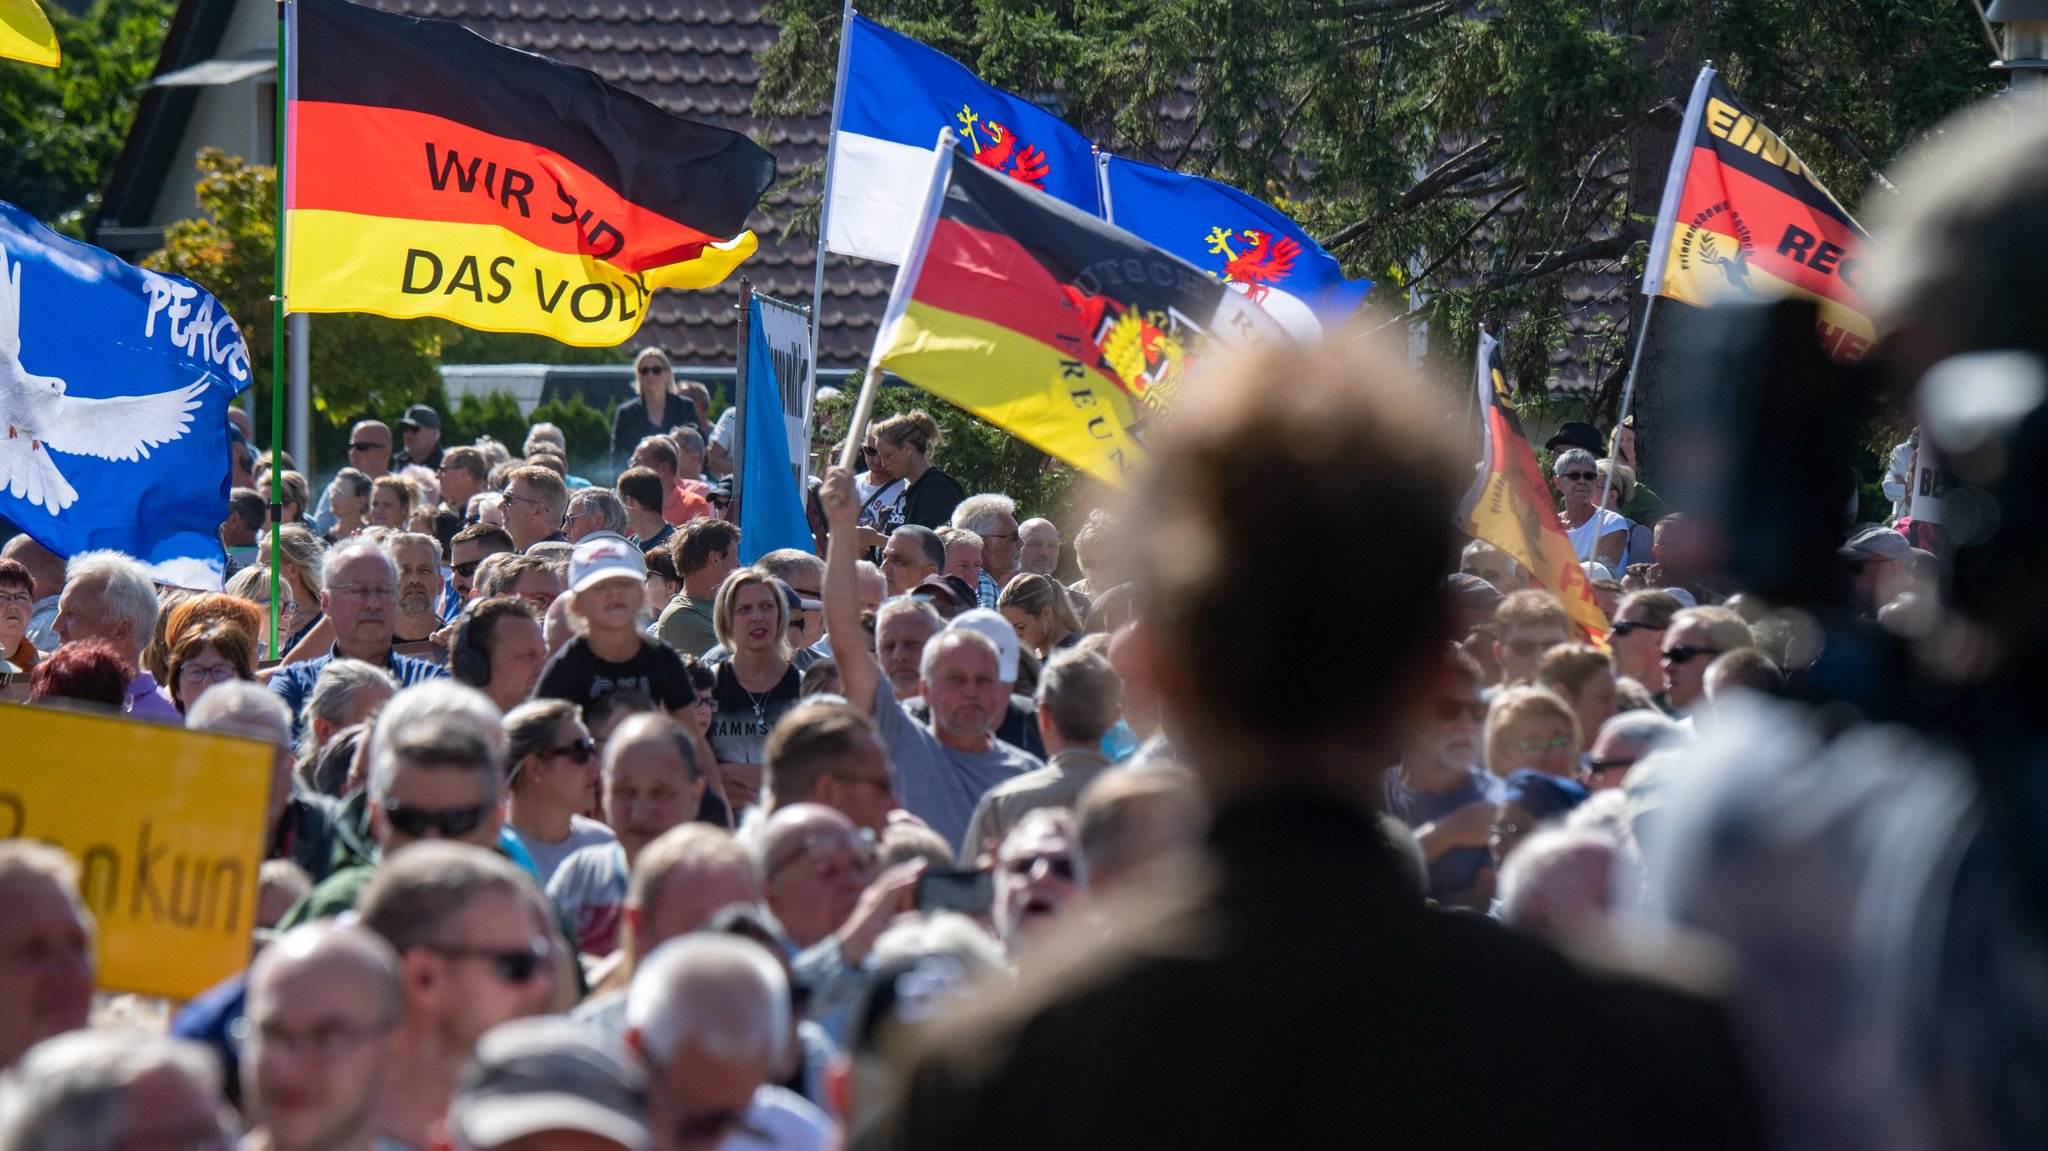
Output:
x=114 y=388
x=1236 y=238
x=771 y=506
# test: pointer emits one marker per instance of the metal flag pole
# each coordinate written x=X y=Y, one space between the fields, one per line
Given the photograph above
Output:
x=739 y=396
x=277 y=343
x=1628 y=392
x=825 y=201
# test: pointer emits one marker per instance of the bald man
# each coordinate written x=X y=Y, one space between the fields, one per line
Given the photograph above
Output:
x=1038 y=546
x=324 y=1002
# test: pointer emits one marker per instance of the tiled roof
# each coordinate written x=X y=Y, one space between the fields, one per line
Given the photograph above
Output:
x=696 y=59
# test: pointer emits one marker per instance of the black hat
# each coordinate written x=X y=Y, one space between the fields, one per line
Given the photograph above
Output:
x=421 y=416
x=1577 y=434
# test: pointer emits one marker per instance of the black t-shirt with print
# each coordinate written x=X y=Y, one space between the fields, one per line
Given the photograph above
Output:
x=579 y=676
x=741 y=720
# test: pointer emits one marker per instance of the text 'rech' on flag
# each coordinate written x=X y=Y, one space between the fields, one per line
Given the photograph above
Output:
x=1744 y=218
x=1509 y=504
x=1069 y=333
x=434 y=173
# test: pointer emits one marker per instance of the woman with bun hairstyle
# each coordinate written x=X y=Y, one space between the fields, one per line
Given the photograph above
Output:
x=904 y=445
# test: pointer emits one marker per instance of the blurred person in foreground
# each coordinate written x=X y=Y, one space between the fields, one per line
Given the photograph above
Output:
x=323 y=1006
x=47 y=953
x=1296 y=848
x=114 y=1090
x=548 y=1085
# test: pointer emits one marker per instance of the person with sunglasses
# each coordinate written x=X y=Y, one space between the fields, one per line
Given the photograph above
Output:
x=1526 y=624
x=1443 y=794
x=1695 y=636
x=553 y=778
x=656 y=410
x=1635 y=641
x=1596 y=533
x=1530 y=728
x=476 y=948
x=1039 y=883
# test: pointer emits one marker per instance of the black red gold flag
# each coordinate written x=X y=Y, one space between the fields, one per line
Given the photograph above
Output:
x=432 y=172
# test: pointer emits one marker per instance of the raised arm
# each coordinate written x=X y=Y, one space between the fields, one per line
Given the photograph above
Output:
x=851 y=648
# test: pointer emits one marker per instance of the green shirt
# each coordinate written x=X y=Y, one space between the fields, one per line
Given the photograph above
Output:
x=685 y=625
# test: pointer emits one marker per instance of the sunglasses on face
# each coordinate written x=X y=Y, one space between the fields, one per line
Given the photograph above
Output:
x=1580 y=477
x=1555 y=743
x=1060 y=867
x=451 y=824
x=1448 y=710
x=1683 y=653
x=511 y=966
x=366 y=446
x=868 y=451
x=582 y=751
x=1623 y=627
x=1596 y=766
x=465 y=570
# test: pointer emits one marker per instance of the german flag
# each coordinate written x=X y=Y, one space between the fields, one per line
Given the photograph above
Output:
x=432 y=172
x=1743 y=217
x=1042 y=319
x=1509 y=504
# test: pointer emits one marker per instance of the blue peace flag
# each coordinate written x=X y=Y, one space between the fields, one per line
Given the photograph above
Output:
x=114 y=388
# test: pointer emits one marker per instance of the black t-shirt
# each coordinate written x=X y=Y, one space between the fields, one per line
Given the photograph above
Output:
x=741 y=720
x=577 y=675
x=929 y=502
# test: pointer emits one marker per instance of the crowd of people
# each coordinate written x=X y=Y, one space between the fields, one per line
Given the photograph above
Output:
x=948 y=833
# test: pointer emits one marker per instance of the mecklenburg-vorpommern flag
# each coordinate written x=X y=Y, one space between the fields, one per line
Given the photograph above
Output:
x=1048 y=322
x=1242 y=241
x=1742 y=217
x=114 y=388
x=434 y=173
x=898 y=94
x=1509 y=504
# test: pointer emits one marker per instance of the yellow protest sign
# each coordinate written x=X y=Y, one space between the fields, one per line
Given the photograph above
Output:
x=167 y=827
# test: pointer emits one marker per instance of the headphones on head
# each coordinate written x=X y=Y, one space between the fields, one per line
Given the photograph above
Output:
x=467 y=662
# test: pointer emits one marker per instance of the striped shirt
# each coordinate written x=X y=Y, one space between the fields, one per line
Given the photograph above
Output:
x=293 y=683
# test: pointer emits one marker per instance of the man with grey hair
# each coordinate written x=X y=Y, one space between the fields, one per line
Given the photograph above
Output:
x=418 y=560
x=1038 y=546
x=113 y=1090
x=805 y=575
x=709 y=1014
x=594 y=512
x=47 y=959
x=549 y=1083
x=944 y=768
x=109 y=597
x=359 y=595
x=299 y=826
x=1079 y=699
x=348 y=692
x=993 y=517
x=1624 y=739
x=323 y=1008
x=910 y=555
x=476 y=947
x=437 y=770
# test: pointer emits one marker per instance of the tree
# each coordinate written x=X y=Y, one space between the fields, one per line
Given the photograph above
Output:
x=60 y=128
x=1485 y=160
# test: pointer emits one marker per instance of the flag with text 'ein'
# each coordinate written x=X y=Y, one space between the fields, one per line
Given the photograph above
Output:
x=1743 y=218
x=435 y=173
x=1509 y=504
x=1068 y=333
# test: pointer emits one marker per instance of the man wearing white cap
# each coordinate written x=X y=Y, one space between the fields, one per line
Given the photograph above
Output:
x=549 y=1082
x=1019 y=727
x=606 y=597
x=1880 y=565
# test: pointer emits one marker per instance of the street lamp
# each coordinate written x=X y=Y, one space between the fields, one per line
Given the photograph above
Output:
x=2026 y=40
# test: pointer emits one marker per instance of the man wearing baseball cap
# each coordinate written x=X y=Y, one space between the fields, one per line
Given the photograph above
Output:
x=1019 y=727
x=548 y=1076
x=421 y=427
x=1880 y=565
x=607 y=596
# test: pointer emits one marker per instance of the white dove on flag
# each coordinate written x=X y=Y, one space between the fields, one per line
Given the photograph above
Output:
x=38 y=416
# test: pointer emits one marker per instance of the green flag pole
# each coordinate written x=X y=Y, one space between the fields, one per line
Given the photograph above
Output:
x=277 y=591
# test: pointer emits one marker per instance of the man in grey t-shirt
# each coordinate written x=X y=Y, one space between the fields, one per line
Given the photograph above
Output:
x=942 y=768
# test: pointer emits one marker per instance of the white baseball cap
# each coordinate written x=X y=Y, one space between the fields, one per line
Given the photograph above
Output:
x=595 y=561
x=999 y=632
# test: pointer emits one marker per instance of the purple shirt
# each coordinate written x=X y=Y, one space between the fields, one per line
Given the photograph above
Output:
x=146 y=702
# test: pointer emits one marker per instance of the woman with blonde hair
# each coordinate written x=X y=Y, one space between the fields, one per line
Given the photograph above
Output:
x=348 y=497
x=757 y=684
x=304 y=558
x=391 y=501
x=1041 y=611
x=904 y=444
x=1531 y=727
x=656 y=411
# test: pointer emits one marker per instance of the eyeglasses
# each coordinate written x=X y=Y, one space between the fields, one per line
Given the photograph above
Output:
x=523 y=499
x=999 y=535
x=201 y=673
x=880 y=784
x=1581 y=477
x=582 y=751
x=364 y=590
x=512 y=966
x=1556 y=743
x=326 y=1040
x=825 y=847
x=1450 y=709
x=21 y=597
x=1683 y=653
x=1059 y=867
x=1596 y=766
x=1487 y=574
x=1623 y=627
x=366 y=446
x=1504 y=830
x=451 y=824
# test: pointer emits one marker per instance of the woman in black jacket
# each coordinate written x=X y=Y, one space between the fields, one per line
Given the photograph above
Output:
x=905 y=443
x=657 y=410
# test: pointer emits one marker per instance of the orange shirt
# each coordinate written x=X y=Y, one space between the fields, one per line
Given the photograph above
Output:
x=683 y=505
